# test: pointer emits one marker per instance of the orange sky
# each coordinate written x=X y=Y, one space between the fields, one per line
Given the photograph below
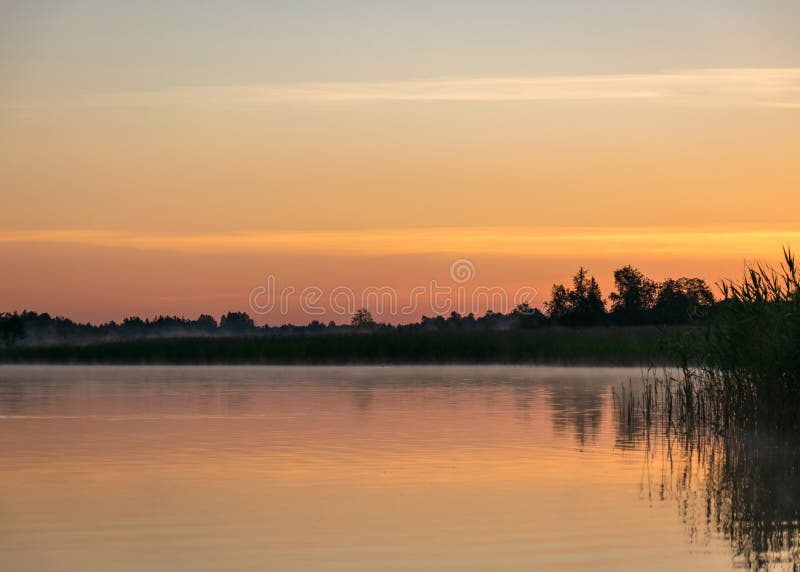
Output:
x=138 y=176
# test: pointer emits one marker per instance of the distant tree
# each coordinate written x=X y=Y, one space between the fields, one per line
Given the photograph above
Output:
x=523 y=308
x=169 y=325
x=634 y=297
x=582 y=304
x=559 y=305
x=12 y=329
x=527 y=316
x=698 y=291
x=236 y=322
x=362 y=319
x=680 y=299
x=206 y=323
x=587 y=300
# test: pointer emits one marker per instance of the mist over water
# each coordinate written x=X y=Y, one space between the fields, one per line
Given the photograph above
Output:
x=373 y=468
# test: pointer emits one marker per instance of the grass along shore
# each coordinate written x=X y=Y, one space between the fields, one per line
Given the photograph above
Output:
x=630 y=345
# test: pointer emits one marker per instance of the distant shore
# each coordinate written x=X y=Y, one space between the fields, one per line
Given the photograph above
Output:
x=601 y=345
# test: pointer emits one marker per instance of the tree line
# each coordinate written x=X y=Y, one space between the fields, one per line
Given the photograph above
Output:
x=637 y=300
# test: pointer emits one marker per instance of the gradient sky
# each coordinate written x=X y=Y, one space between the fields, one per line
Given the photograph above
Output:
x=166 y=157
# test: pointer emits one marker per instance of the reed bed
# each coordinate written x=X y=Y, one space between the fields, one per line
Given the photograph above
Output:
x=728 y=418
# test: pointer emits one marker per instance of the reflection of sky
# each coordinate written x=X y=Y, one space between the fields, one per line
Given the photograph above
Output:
x=305 y=468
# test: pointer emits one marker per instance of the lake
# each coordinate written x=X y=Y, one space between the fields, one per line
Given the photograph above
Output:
x=372 y=468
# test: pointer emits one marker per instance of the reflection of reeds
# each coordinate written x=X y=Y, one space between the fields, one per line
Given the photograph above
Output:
x=725 y=426
x=743 y=483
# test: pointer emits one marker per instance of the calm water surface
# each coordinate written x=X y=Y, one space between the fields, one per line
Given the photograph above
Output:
x=396 y=468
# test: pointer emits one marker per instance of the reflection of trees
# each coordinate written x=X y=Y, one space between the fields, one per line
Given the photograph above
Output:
x=525 y=394
x=363 y=396
x=742 y=484
x=577 y=409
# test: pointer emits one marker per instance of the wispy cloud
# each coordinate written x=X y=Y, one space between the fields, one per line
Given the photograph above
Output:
x=739 y=87
x=493 y=241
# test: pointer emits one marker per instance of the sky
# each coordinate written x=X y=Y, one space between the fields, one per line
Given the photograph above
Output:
x=171 y=157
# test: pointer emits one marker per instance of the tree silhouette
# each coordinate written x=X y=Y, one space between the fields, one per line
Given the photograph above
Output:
x=634 y=298
x=637 y=300
x=587 y=300
x=581 y=305
x=12 y=328
x=206 y=323
x=679 y=299
x=559 y=305
x=362 y=319
x=236 y=322
x=528 y=316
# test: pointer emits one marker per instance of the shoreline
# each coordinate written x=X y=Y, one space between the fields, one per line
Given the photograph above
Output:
x=642 y=346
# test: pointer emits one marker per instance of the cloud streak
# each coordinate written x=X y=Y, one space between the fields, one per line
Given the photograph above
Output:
x=450 y=241
x=738 y=87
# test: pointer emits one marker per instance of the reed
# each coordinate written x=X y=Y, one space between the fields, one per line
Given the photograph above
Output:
x=732 y=412
x=743 y=369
